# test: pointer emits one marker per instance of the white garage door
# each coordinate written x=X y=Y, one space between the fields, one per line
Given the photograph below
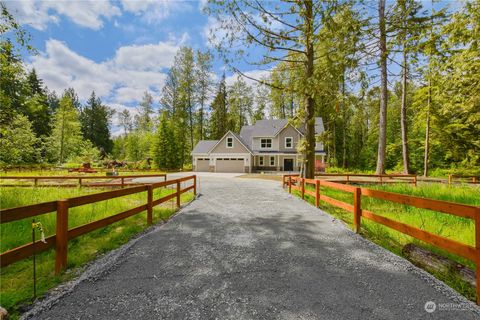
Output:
x=203 y=165
x=230 y=165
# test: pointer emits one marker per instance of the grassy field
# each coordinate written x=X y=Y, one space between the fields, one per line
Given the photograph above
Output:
x=16 y=279
x=449 y=226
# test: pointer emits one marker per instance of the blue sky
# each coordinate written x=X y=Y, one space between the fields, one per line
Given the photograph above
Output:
x=119 y=48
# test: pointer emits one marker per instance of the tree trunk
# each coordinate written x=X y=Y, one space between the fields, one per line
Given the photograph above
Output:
x=403 y=116
x=309 y=159
x=62 y=138
x=200 y=120
x=427 y=131
x=382 y=134
x=344 y=116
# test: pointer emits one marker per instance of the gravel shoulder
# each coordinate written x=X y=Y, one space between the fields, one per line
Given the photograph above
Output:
x=246 y=249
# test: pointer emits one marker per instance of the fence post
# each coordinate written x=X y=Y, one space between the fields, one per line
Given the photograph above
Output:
x=317 y=193
x=35 y=181
x=302 y=181
x=195 y=185
x=415 y=180
x=149 y=204
x=290 y=184
x=80 y=182
x=357 y=209
x=449 y=179
x=178 y=194
x=123 y=182
x=61 y=237
x=477 y=246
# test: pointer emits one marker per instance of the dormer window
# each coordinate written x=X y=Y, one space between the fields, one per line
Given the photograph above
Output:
x=229 y=142
x=288 y=142
x=265 y=143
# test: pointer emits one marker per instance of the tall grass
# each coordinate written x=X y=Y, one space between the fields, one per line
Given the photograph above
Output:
x=445 y=225
x=16 y=279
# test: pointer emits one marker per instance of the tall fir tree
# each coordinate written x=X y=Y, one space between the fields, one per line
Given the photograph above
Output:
x=95 y=118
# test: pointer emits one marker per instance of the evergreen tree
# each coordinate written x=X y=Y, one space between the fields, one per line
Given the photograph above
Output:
x=240 y=101
x=94 y=118
x=36 y=105
x=126 y=121
x=164 y=151
x=203 y=70
x=219 y=115
x=143 y=120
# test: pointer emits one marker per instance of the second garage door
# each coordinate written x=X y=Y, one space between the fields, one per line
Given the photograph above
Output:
x=230 y=165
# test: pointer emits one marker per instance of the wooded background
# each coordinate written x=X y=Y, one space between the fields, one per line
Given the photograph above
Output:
x=369 y=69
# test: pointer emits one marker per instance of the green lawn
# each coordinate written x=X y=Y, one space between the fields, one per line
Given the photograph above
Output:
x=449 y=226
x=16 y=279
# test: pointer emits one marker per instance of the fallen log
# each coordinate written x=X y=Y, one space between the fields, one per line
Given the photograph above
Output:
x=435 y=263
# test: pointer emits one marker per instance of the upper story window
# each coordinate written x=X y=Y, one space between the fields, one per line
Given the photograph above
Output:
x=288 y=142
x=265 y=143
x=229 y=142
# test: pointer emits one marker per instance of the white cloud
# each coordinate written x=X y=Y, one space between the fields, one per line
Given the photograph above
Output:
x=86 y=13
x=122 y=79
x=145 y=57
x=153 y=11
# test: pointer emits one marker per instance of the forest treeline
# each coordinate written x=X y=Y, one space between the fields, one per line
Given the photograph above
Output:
x=420 y=88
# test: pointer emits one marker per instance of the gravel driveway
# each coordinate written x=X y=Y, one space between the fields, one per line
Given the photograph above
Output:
x=246 y=249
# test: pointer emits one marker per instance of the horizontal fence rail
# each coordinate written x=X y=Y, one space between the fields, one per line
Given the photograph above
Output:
x=378 y=178
x=80 y=179
x=465 y=179
x=60 y=239
x=294 y=182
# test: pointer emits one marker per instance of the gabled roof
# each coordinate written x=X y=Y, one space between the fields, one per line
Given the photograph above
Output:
x=218 y=141
x=261 y=128
x=268 y=127
x=204 y=146
x=272 y=127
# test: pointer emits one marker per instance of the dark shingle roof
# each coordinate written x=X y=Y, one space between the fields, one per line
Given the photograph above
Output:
x=261 y=128
x=268 y=127
x=204 y=146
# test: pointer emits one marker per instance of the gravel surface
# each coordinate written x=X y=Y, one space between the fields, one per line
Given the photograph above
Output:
x=246 y=249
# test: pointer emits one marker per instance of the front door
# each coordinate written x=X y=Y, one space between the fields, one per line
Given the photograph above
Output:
x=287 y=164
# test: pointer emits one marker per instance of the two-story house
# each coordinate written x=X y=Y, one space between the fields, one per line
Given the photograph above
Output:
x=268 y=145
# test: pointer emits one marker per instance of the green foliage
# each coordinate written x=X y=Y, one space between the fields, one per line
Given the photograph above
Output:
x=240 y=101
x=94 y=118
x=66 y=140
x=164 y=148
x=17 y=142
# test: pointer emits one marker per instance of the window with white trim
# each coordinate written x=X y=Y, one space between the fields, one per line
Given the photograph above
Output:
x=288 y=142
x=272 y=161
x=260 y=161
x=229 y=142
x=265 y=143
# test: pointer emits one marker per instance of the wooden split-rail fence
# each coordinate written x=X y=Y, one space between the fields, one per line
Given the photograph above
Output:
x=119 y=180
x=60 y=239
x=471 y=253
